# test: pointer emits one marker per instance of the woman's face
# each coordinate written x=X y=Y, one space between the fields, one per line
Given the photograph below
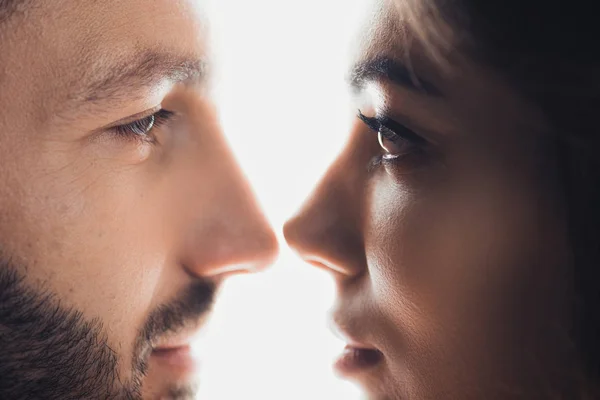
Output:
x=445 y=231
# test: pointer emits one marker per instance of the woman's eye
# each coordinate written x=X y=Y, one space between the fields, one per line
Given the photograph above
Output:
x=393 y=145
x=395 y=139
x=142 y=128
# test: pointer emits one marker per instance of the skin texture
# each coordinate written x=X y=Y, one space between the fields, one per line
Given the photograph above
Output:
x=452 y=259
x=125 y=238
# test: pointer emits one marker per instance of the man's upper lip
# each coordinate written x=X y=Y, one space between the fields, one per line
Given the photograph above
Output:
x=177 y=340
x=171 y=346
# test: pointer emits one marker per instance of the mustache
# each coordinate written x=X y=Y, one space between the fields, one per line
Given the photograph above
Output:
x=191 y=304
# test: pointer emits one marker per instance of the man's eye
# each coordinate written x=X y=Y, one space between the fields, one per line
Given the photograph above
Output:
x=142 y=128
x=395 y=139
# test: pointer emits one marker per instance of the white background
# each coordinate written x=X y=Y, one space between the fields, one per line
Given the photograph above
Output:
x=285 y=111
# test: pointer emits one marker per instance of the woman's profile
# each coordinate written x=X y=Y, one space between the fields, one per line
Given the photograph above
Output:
x=461 y=221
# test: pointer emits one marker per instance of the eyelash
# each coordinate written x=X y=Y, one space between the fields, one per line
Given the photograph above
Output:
x=142 y=128
x=393 y=131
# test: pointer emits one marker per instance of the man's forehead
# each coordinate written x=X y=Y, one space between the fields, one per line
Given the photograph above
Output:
x=103 y=36
x=65 y=48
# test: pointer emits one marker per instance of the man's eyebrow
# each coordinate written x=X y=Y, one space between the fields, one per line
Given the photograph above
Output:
x=140 y=71
x=384 y=68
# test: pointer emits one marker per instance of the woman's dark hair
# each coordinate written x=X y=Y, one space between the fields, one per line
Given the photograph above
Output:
x=549 y=52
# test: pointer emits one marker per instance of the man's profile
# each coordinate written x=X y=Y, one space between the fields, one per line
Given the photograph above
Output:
x=121 y=206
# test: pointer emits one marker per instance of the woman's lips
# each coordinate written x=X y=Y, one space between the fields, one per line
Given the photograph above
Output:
x=354 y=360
x=356 y=356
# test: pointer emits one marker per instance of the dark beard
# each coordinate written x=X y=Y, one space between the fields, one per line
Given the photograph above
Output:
x=50 y=351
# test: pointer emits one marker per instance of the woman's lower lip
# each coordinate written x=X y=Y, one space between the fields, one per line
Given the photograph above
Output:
x=354 y=360
x=181 y=359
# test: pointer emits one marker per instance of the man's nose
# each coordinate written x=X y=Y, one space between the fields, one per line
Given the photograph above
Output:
x=227 y=231
x=233 y=237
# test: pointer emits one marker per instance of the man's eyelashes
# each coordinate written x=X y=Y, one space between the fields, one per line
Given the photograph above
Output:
x=142 y=129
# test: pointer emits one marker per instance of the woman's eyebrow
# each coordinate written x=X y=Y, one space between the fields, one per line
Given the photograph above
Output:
x=391 y=70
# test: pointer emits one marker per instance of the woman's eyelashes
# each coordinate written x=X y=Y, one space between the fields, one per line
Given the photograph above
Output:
x=142 y=129
x=394 y=138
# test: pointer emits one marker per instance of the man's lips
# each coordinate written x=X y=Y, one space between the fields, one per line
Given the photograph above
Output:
x=181 y=360
x=177 y=351
x=182 y=338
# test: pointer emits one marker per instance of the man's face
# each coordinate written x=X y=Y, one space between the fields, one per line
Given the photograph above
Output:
x=121 y=207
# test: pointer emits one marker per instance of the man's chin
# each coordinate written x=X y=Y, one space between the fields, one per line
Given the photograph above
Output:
x=172 y=374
